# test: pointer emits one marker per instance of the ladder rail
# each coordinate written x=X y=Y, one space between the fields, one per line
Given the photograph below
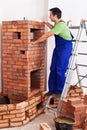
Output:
x=74 y=52
x=77 y=75
x=83 y=77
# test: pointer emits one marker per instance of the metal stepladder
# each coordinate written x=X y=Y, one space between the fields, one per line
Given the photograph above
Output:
x=72 y=66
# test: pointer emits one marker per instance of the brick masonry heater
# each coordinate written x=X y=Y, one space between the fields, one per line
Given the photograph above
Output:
x=23 y=72
x=23 y=64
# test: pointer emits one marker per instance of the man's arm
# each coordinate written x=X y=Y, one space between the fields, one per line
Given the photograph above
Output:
x=43 y=37
x=49 y=25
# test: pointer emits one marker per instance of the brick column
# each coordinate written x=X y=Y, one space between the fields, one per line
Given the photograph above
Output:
x=23 y=64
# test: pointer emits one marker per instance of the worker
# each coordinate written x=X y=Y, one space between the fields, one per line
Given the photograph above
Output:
x=61 y=52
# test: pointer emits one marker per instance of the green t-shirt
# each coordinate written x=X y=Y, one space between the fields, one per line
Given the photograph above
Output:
x=62 y=30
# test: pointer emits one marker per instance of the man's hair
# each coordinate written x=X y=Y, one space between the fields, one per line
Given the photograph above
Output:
x=56 y=11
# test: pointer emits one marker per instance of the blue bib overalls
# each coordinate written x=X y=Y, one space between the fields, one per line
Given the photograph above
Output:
x=59 y=64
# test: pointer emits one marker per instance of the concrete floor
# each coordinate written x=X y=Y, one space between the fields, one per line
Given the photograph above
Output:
x=35 y=124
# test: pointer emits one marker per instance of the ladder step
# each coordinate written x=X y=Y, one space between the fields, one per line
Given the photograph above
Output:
x=67 y=83
x=74 y=54
x=74 y=27
x=82 y=53
x=83 y=86
x=69 y=69
x=79 y=41
x=82 y=76
x=83 y=41
x=48 y=107
x=81 y=65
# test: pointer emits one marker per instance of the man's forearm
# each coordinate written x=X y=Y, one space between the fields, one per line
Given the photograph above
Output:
x=49 y=25
x=43 y=37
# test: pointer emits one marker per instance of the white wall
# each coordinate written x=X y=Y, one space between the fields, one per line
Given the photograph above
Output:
x=38 y=10
x=74 y=10
x=18 y=9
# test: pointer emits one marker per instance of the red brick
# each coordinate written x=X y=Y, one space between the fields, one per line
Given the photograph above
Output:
x=11 y=107
x=3 y=108
x=75 y=101
x=4 y=121
x=3 y=125
x=44 y=126
x=12 y=124
x=25 y=121
x=8 y=116
x=17 y=119
x=85 y=99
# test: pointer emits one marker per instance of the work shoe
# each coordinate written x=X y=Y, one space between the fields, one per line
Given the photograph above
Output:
x=49 y=94
x=56 y=95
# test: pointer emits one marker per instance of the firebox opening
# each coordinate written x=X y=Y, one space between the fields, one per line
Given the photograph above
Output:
x=4 y=100
x=52 y=101
x=39 y=106
x=35 y=80
x=35 y=33
x=17 y=35
x=22 y=52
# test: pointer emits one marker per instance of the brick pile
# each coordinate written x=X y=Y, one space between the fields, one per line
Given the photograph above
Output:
x=44 y=126
x=84 y=124
x=75 y=106
x=23 y=64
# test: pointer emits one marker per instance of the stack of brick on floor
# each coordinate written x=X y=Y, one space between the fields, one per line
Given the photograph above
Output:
x=75 y=106
x=23 y=72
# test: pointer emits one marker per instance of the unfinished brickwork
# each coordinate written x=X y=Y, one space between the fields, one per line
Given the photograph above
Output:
x=23 y=72
x=23 y=64
x=13 y=115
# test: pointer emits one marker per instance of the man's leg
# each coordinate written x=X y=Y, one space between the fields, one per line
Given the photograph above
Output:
x=51 y=82
x=60 y=81
x=62 y=65
x=52 y=78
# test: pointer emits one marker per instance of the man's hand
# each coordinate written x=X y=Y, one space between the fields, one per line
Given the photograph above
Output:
x=33 y=42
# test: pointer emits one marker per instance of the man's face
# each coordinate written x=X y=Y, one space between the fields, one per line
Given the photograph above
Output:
x=52 y=17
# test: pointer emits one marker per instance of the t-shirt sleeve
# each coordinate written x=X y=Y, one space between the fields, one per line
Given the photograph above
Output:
x=56 y=30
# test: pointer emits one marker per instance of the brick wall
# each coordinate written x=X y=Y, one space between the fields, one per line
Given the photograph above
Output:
x=23 y=64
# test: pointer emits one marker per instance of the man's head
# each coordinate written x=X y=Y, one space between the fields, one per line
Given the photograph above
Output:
x=55 y=13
